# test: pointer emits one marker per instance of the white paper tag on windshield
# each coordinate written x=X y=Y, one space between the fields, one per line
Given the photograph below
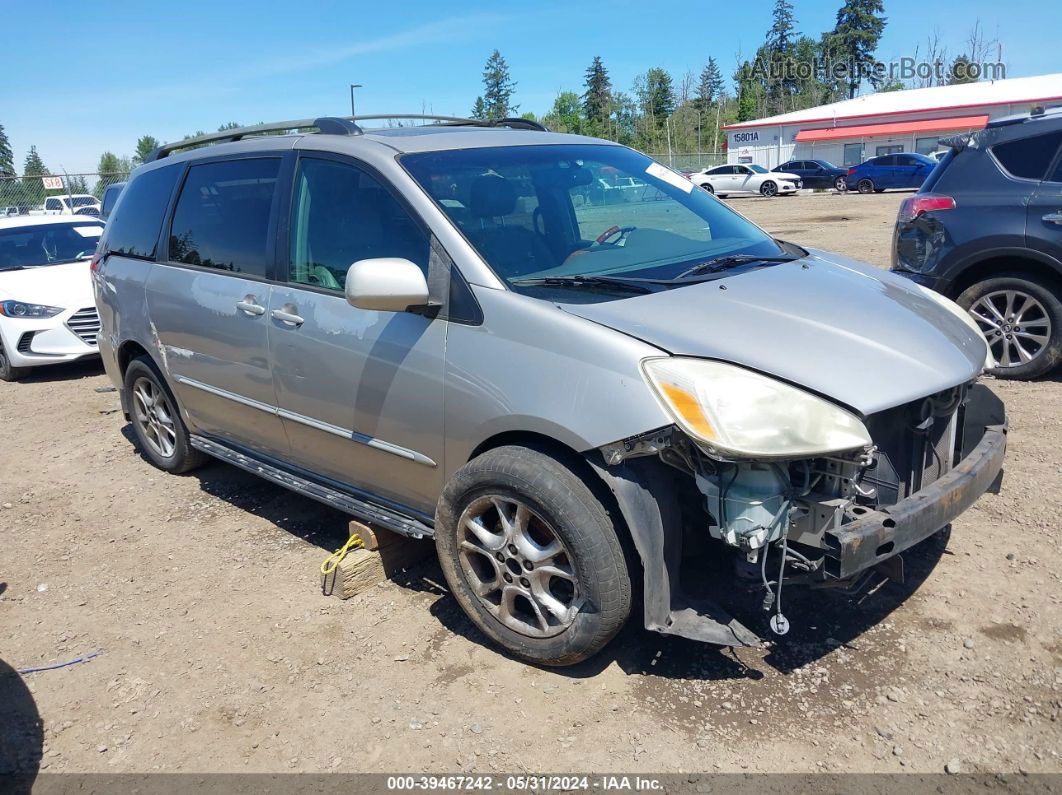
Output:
x=89 y=231
x=669 y=176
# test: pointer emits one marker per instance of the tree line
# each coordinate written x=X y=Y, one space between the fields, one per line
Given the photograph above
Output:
x=789 y=71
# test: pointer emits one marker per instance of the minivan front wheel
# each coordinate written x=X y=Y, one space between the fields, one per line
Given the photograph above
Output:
x=532 y=556
x=1022 y=321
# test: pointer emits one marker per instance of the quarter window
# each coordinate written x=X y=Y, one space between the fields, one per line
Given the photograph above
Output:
x=1028 y=157
x=222 y=216
x=133 y=228
x=341 y=214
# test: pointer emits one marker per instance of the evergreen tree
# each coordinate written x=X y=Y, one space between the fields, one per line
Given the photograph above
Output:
x=783 y=29
x=962 y=70
x=109 y=163
x=145 y=145
x=777 y=51
x=498 y=88
x=479 y=110
x=710 y=86
x=7 y=158
x=746 y=105
x=77 y=184
x=854 y=39
x=597 y=101
x=32 y=187
x=657 y=94
x=229 y=125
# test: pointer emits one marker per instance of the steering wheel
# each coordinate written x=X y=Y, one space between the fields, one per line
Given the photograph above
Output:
x=613 y=231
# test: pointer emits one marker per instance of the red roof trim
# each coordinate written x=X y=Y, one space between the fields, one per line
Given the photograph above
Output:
x=894 y=128
x=746 y=125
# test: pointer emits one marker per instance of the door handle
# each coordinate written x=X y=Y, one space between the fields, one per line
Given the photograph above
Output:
x=1054 y=218
x=285 y=316
x=251 y=306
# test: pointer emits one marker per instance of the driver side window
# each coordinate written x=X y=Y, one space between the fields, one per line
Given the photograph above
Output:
x=341 y=214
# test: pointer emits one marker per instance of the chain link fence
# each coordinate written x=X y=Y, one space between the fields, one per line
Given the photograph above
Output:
x=690 y=161
x=55 y=194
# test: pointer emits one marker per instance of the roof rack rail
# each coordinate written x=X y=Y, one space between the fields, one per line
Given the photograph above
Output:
x=331 y=125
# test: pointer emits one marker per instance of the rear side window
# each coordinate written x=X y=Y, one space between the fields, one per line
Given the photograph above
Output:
x=134 y=227
x=222 y=216
x=1028 y=157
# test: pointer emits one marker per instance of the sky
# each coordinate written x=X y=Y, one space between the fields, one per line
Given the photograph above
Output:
x=93 y=77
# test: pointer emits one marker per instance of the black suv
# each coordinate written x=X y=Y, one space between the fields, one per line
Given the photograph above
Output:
x=986 y=230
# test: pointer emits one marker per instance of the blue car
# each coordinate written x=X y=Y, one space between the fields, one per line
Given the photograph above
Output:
x=900 y=170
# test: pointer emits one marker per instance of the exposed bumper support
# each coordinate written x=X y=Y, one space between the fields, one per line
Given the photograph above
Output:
x=880 y=534
x=645 y=492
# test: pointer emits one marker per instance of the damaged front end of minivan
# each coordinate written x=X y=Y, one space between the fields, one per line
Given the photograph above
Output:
x=793 y=488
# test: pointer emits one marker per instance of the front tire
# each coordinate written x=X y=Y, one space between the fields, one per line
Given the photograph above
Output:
x=532 y=556
x=8 y=372
x=160 y=431
x=769 y=188
x=1022 y=320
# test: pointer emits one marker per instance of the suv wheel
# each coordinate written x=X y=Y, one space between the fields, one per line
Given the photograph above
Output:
x=159 y=429
x=769 y=188
x=8 y=372
x=841 y=184
x=865 y=186
x=532 y=556
x=1022 y=320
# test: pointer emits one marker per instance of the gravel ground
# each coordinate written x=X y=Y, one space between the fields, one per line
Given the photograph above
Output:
x=218 y=651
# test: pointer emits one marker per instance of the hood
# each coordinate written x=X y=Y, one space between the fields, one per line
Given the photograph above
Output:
x=784 y=175
x=68 y=286
x=862 y=336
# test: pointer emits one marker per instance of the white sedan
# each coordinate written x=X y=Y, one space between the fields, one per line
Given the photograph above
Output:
x=739 y=178
x=47 y=307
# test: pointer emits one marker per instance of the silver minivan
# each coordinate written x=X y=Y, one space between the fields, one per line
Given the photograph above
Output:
x=448 y=331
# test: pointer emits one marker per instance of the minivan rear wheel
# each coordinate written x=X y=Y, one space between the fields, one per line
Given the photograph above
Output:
x=160 y=431
x=1022 y=320
x=532 y=556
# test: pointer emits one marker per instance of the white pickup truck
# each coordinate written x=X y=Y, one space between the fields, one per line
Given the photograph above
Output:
x=77 y=204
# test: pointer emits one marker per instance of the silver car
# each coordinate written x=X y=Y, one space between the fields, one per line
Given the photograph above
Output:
x=446 y=331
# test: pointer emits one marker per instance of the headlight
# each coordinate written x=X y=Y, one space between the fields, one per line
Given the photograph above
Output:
x=963 y=315
x=737 y=413
x=20 y=309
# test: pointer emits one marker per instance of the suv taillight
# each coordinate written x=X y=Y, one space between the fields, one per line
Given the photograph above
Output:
x=914 y=206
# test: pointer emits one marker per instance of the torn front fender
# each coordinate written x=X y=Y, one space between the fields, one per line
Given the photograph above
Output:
x=644 y=489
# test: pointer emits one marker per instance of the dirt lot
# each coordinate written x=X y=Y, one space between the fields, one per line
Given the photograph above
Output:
x=219 y=652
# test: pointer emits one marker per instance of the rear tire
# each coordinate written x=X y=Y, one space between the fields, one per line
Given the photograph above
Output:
x=1032 y=329
x=865 y=186
x=8 y=372
x=708 y=187
x=841 y=184
x=160 y=432
x=497 y=519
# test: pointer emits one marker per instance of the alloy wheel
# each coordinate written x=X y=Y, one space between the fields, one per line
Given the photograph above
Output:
x=518 y=567
x=1016 y=325
x=768 y=189
x=841 y=184
x=154 y=417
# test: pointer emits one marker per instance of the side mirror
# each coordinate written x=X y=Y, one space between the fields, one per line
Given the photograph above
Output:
x=386 y=284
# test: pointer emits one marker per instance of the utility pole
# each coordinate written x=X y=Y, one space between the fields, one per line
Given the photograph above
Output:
x=352 y=87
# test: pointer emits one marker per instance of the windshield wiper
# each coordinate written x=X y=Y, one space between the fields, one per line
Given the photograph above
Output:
x=729 y=261
x=585 y=280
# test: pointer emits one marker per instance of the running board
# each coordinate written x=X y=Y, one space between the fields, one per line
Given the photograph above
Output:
x=362 y=509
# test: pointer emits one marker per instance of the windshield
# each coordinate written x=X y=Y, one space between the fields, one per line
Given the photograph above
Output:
x=47 y=244
x=552 y=211
x=759 y=169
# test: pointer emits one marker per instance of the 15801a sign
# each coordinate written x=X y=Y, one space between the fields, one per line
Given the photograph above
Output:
x=746 y=137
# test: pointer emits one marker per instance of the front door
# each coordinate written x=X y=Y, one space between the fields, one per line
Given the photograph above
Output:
x=360 y=392
x=208 y=302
